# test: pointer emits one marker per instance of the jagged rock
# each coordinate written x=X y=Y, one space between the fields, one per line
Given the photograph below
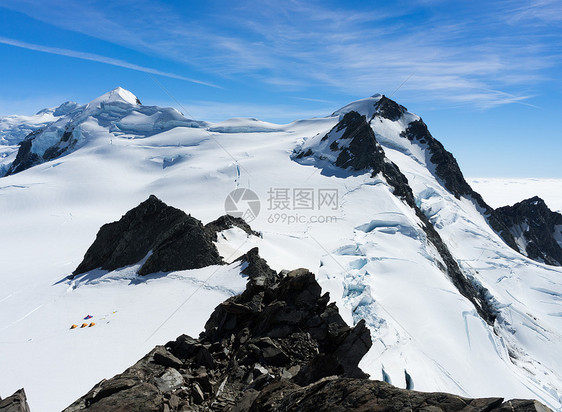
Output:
x=15 y=403
x=256 y=268
x=448 y=171
x=177 y=241
x=350 y=144
x=171 y=379
x=226 y=222
x=291 y=351
x=354 y=140
x=345 y=394
x=537 y=229
x=362 y=151
x=165 y=358
x=522 y=405
x=389 y=109
x=26 y=158
x=197 y=394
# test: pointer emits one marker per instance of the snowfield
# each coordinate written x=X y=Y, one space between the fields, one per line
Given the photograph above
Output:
x=500 y=192
x=365 y=246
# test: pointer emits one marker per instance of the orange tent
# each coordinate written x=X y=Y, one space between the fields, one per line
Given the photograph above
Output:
x=73 y=326
x=84 y=325
x=92 y=324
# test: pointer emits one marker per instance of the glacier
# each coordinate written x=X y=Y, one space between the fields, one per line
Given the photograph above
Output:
x=374 y=258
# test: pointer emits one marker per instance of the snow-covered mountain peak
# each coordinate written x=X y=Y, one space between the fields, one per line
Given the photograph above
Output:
x=366 y=107
x=66 y=108
x=117 y=95
x=118 y=113
x=378 y=106
x=61 y=110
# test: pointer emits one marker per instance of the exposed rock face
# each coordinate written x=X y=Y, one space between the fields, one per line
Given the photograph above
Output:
x=449 y=172
x=279 y=328
x=15 y=403
x=537 y=229
x=389 y=109
x=226 y=222
x=361 y=151
x=352 y=144
x=177 y=241
x=25 y=158
x=279 y=346
x=345 y=394
x=112 y=111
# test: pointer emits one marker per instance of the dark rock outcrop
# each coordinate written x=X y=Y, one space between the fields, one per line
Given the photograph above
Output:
x=177 y=241
x=279 y=346
x=227 y=222
x=354 y=140
x=362 y=150
x=345 y=394
x=26 y=158
x=447 y=170
x=15 y=403
x=280 y=328
x=388 y=109
x=537 y=227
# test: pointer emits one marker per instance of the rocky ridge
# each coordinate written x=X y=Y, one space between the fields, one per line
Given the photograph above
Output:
x=352 y=145
x=161 y=237
x=278 y=346
x=166 y=237
x=15 y=403
x=537 y=229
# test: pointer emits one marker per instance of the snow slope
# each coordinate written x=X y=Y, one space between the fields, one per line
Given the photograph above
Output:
x=368 y=251
x=499 y=191
x=13 y=129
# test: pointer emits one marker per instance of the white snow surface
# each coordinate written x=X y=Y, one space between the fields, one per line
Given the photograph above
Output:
x=243 y=125
x=116 y=111
x=14 y=128
x=368 y=251
x=500 y=191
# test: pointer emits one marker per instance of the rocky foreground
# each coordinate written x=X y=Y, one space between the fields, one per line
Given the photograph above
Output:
x=278 y=346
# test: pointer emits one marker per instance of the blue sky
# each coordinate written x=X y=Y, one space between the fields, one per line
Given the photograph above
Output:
x=485 y=76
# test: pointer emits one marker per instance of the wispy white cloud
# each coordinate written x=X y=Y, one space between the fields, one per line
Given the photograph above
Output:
x=307 y=46
x=308 y=99
x=98 y=58
x=535 y=10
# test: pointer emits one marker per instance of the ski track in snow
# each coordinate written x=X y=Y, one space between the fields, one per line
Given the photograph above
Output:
x=22 y=318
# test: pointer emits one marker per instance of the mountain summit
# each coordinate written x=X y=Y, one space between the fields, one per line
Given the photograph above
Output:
x=115 y=113
x=117 y=95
